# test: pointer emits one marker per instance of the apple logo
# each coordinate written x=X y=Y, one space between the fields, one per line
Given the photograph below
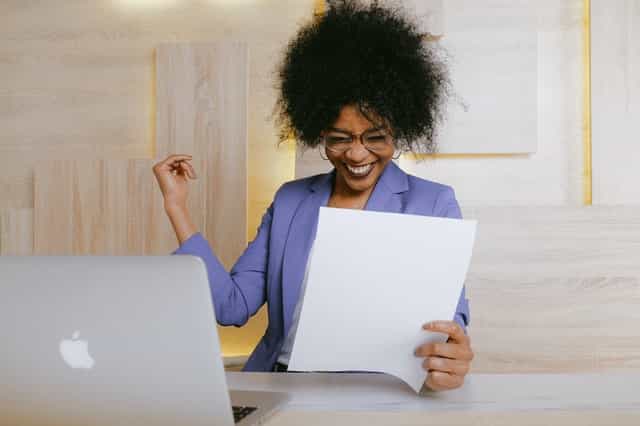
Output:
x=76 y=352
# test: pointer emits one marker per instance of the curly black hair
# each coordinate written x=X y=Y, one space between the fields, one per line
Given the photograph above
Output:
x=370 y=56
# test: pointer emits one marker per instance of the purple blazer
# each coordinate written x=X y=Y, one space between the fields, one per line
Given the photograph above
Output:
x=272 y=267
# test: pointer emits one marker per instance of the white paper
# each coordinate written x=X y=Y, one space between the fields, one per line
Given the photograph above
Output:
x=374 y=279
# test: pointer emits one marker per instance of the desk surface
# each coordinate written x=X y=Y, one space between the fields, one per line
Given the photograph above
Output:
x=584 y=399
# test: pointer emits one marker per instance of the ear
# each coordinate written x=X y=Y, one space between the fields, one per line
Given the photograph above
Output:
x=322 y=151
x=397 y=152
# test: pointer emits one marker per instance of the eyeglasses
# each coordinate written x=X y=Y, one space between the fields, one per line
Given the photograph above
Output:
x=372 y=139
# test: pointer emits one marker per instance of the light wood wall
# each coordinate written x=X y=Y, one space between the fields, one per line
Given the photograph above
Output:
x=78 y=89
x=555 y=289
x=16 y=231
x=78 y=83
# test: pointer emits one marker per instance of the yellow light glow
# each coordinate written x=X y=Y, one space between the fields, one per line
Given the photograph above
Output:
x=586 y=114
x=234 y=3
x=319 y=7
x=146 y=4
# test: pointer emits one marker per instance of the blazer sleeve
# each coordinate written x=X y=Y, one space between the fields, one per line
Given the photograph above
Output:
x=237 y=294
x=447 y=206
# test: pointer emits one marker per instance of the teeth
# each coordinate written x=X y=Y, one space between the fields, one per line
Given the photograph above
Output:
x=360 y=171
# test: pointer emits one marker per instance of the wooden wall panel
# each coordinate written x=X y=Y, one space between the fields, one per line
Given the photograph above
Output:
x=202 y=111
x=148 y=228
x=115 y=207
x=99 y=207
x=16 y=182
x=555 y=289
x=16 y=232
x=108 y=207
x=95 y=99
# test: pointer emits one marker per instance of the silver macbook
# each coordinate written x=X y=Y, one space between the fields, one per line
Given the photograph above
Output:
x=114 y=341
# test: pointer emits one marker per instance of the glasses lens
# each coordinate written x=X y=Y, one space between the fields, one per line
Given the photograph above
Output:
x=377 y=140
x=337 y=142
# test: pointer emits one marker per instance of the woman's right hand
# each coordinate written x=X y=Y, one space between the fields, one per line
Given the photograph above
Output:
x=173 y=174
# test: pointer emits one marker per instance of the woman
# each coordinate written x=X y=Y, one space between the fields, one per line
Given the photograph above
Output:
x=359 y=84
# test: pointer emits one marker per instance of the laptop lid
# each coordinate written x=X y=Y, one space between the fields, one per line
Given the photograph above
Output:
x=109 y=341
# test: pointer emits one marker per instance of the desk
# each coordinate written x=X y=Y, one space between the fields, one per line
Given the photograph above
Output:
x=485 y=399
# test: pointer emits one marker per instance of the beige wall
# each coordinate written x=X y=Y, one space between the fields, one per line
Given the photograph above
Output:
x=616 y=101
x=77 y=81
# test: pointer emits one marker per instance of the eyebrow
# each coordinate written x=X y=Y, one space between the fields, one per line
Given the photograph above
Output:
x=336 y=129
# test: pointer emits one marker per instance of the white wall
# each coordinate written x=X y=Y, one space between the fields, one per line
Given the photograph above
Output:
x=615 y=33
x=552 y=175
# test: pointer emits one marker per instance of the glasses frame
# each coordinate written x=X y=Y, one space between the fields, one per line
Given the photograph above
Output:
x=354 y=137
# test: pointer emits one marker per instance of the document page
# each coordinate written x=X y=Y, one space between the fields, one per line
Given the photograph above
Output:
x=374 y=279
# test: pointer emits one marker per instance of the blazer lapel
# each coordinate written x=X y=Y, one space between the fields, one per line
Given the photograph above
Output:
x=302 y=232
x=386 y=194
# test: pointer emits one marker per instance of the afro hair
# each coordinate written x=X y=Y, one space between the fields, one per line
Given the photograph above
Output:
x=369 y=56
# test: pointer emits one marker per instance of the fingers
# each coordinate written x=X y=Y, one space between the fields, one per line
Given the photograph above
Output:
x=452 y=328
x=178 y=164
x=446 y=350
x=171 y=161
x=177 y=157
x=446 y=365
x=188 y=169
x=438 y=380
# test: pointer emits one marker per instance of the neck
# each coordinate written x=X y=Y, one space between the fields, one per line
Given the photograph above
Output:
x=344 y=197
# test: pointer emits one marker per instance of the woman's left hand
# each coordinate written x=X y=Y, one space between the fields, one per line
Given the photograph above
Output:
x=446 y=363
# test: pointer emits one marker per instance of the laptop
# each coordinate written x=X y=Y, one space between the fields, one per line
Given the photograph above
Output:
x=114 y=341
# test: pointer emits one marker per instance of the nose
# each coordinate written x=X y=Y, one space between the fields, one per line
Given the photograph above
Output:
x=357 y=153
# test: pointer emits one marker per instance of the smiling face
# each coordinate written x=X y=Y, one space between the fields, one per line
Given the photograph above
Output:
x=357 y=169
